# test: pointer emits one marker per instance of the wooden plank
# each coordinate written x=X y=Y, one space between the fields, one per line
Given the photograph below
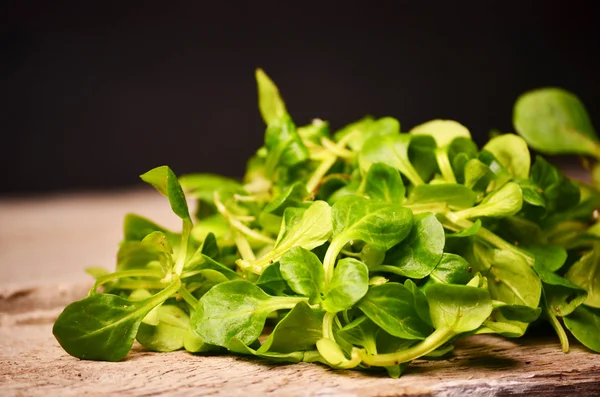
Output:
x=45 y=244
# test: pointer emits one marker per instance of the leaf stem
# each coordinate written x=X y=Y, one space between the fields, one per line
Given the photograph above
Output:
x=441 y=155
x=320 y=172
x=182 y=254
x=429 y=344
x=188 y=297
x=125 y=273
x=331 y=255
x=328 y=326
x=560 y=331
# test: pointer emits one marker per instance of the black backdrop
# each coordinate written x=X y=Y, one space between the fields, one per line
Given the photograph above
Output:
x=95 y=93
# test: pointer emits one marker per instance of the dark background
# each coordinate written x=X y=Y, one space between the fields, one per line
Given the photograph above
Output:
x=96 y=93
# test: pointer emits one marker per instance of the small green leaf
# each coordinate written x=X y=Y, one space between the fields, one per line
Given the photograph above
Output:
x=391 y=306
x=269 y=101
x=458 y=307
x=235 y=309
x=290 y=197
x=103 y=326
x=349 y=284
x=453 y=195
x=299 y=330
x=584 y=324
x=418 y=254
x=452 y=269
x=165 y=181
x=272 y=282
x=379 y=224
x=512 y=152
x=170 y=332
x=391 y=150
x=554 y=121
x=309 y=231
x=506 y=201
x=304 y=272
x=384 y=183
x=562 y=295
x=586 y=273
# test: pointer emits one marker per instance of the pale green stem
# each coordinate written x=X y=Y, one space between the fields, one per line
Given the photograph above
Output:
x=244 y=247
x=141 y=284
x=330 y=257
x=328 y=326
x=188 y=297
x=443 y=161
x=436 y=208
x=320 y=172
x=165 y=294
x=181 y=255
x=236 y=224
x=562 y=336
x=311 y=356
x=337 y=150
x=122 y=274
x=429 y=344
x=411 y=173
x=327 y=163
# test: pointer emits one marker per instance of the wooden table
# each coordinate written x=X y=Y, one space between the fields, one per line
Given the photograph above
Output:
x=46 y=242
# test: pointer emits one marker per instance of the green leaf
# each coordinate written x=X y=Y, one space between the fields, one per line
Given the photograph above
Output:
x=361 y=332
x=378 y=224
x=200 y=261
x=304 y=273
x=391 y=150
x=554 y=121
x=418 y=254
x=269 y=101
x=467 y=232
x=584 y=324
x=136 y=227
x=443 y=131
x=477 y=175
x=299 y=330
x=210 y=247
x=586 y=273
x=203 y=280
x=349 y=284
x=391 y=306
x=562 y=295
x=309 y=231
x=452 y=269
x=165 y=181
x=235 y=309
x=512 y=152
x=510 y=278
x=284 y=146
x=170 y=332
x=103 y=326
x=239 y=347
x=453 y=195
x=548 y=257
x=272 y=282
x=458 y=307
x=506 y=201
x=384 y=183
x=290 y=197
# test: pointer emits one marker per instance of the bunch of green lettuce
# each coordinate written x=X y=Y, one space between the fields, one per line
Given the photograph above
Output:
x=364 y=248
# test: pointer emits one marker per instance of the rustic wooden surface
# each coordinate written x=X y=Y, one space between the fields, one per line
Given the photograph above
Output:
x=46 y=242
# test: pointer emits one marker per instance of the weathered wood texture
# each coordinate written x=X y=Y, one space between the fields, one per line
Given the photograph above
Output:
x=46 y=243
